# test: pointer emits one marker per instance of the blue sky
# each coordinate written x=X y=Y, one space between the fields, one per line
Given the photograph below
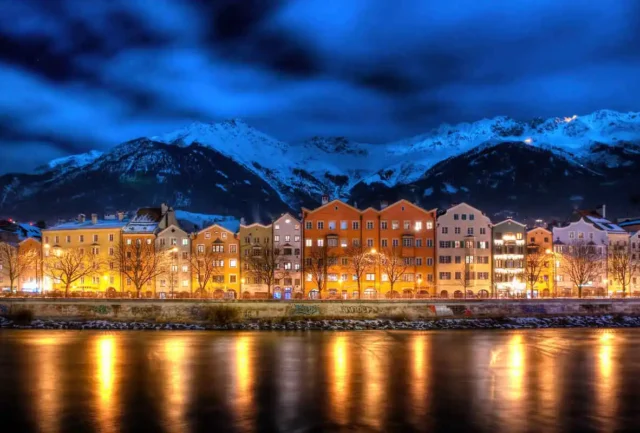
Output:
x=77 y=75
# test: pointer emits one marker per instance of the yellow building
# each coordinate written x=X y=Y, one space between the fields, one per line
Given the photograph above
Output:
x=94 y=241
x=256 y=249
x=220 y=247
x=540 y=242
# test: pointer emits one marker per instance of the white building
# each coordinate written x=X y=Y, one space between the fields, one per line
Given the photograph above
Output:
x=594 y=230
x=463 y=253
x=176 y=278
x=287 y=244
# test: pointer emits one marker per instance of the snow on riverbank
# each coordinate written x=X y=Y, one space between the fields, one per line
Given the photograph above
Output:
x=605 y=321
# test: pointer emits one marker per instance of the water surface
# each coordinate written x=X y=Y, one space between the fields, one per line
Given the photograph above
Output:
x=581 y=380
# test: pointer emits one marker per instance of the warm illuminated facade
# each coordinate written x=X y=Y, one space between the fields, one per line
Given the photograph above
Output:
x=32 y=277
x=94 y=239
x=143 y=228
x=509 y=255
x=540 y=241
x=342 y=236
x=176 y=278
x=256 y=245
x=409 y=232
x=287 y=245
x=329 y=231
x=225 y=245
x=463 y=251
x=602 y=235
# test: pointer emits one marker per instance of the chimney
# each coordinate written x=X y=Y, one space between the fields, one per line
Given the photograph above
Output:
x=384 y=204
x=243 y=222
x=81 y=218
x=325 y=199
x=604 y=211
x=120 y=216
x=94 y=218
x=164 y=208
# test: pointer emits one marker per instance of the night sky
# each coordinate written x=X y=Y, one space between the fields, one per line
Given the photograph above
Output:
x=77 y=75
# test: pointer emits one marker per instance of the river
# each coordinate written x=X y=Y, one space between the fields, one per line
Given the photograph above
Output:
x=582 y=380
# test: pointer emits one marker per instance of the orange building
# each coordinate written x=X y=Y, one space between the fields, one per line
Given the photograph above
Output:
x=540 y=241
x=32 y=277
x=222 y=248
x=407 y=233
x=347 y=251
x=330 y=232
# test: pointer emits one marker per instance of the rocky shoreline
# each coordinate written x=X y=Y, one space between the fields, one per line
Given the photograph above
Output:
x=604 y=321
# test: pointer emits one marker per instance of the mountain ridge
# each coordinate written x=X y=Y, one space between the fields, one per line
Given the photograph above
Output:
x=231 y=155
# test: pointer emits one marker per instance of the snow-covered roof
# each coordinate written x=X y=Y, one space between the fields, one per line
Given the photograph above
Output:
x=604 y=224
x=21 y=231
x=146 y=220
x=88 y=224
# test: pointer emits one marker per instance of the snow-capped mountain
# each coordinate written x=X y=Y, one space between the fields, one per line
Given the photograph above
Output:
x=68 y=162
x=230 y=168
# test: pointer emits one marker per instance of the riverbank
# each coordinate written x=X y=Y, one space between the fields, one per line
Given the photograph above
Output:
x=603 y=321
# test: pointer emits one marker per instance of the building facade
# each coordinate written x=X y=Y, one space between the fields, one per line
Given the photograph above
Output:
x=257 y=259
x=32 y=276
x=601 y=236
x=175 y=280
x=287 y=247
x=330 y=232
x=91 y=241
x=221 y=248
x=408 y=232
x=540 y=241
x=463 y=253
x=509 y=255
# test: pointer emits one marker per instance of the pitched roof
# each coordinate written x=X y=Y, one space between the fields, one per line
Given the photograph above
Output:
x=331 y=202
x=603 y=224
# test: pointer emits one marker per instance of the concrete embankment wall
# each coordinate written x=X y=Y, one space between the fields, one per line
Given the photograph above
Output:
x=193 y=312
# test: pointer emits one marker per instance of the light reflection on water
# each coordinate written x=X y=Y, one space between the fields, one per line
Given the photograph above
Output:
x=376 y=381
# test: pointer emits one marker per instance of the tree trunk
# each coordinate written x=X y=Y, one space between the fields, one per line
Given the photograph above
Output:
x=66 y=290
x=11 y=284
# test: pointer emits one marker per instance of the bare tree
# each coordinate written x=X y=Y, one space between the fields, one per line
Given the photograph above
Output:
x=317 y=261
x=393 y=265
x=360 y=261
x=205 y=265
x=582 y=263
x=534 y=264
x=70 y=265
x=140 y=263
x=14 y=263
x=263 y=265
x=623 y=267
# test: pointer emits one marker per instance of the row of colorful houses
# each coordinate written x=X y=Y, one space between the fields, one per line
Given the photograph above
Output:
x=338 y=251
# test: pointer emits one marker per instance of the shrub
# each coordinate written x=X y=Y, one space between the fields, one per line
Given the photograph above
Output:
x=222 y=315
x=21 y=316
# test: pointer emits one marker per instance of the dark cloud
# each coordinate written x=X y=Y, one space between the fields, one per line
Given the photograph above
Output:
x=77 y=75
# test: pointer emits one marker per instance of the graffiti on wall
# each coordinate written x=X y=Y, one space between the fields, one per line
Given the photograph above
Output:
x=304 y=310
x=460 y=310
x=359 y=309
x=533 y=309
x=251 y=313
x=100 y=309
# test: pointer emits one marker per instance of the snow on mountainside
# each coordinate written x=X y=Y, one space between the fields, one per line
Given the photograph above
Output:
x=232 y=168
x=73 y=161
